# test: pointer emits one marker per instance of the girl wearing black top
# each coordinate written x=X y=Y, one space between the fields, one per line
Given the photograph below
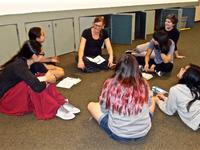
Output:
x=91 y=46
x=21 y=92
x=173 y=33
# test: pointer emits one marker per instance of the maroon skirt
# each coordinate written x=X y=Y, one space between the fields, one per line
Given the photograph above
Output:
x=21 y=99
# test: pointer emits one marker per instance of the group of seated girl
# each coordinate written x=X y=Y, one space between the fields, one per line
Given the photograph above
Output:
x=157 y=55
x=173 y=33
x=126 y=104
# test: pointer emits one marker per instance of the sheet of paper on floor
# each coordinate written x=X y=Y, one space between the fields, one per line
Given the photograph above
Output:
x=68 y=82
x=147 y=76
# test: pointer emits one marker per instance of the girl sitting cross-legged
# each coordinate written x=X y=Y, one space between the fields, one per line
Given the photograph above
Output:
x=184 y=97
x=123 y=110
x=22 y=92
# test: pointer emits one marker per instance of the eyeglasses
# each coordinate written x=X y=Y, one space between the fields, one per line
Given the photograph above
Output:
x=99 y=26
x=42 y=54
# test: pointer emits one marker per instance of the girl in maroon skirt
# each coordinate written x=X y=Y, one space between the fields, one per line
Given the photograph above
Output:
x=22 y=92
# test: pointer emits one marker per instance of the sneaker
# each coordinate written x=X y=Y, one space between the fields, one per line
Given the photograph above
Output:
x=71 y=108
x=160 y=73
x=141 y=54
x=129 y=51
x=64 y=114
x=141 y=68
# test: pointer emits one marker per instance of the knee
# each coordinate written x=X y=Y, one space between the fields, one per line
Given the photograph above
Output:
x=137 y=47
x=59 y=72
x=90 y=105
x=62 y=72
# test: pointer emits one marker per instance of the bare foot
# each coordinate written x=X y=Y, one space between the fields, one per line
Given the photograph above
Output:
x=180 y=57
x=151 y=69
x=113 y=66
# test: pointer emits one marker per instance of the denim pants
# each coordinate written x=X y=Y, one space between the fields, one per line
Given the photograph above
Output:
x=104 y=125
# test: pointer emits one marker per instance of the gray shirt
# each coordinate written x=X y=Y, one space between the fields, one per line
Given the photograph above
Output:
x=133 y=126
x=179 y=96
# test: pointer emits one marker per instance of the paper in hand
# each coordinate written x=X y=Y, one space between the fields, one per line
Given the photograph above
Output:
x=98 y=59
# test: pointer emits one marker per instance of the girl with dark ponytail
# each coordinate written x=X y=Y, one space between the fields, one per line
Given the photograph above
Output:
x=21 y=92
x=184 y=97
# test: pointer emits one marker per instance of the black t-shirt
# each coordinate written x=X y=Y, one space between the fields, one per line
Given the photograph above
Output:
x=92 y=46
x=18 y=71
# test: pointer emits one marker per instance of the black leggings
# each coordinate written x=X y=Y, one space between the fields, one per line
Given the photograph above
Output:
x=164 y=67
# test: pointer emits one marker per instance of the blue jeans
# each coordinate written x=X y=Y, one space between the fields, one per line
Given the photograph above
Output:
x=104 y=125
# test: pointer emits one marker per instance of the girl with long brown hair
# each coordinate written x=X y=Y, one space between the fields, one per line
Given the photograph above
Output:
x=123 y=109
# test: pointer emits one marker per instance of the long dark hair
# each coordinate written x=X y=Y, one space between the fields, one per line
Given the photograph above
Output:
x=191 y=78
x=29 y=48
x=34 y=32
x=161 y=36
x=127 y=77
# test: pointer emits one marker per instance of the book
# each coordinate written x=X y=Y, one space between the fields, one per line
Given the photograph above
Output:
x=98 y=59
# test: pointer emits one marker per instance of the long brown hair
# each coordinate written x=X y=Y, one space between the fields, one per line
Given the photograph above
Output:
x=127 y=90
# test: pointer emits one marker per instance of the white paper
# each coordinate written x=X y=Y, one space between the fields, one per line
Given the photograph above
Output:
x=147 y=76
x=98 y=59
x=68 y=82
